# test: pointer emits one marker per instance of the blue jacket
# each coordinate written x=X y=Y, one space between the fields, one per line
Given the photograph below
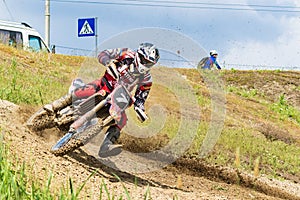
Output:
x=211 y=61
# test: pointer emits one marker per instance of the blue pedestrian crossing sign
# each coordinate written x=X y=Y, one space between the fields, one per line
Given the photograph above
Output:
x=86 y=27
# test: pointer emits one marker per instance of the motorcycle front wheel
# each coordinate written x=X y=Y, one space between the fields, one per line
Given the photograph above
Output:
x=71 y=141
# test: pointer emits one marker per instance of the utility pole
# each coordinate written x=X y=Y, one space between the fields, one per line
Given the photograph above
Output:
x=96 y=38
x=47 y=22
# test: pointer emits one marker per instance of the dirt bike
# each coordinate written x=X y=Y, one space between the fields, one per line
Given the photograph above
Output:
x=85 y=119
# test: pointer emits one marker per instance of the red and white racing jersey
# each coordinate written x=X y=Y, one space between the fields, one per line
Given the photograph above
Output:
x=127 y=71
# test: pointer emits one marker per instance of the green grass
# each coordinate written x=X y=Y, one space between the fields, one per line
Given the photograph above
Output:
x=285 y=110
x=251 y=147
x=251 y=93
x=275 y=156
x=36 y=86
x=42 y=84
x=22 y=86
x=16 y=184
x=272 y=158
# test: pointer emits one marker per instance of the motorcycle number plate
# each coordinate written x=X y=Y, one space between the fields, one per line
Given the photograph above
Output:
x=121 y=98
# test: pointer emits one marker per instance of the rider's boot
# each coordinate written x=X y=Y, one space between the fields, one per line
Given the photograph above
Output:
x=59 y=103
x=108 y=145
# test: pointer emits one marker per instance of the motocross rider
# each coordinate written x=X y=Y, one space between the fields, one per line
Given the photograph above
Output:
x=121 y=63
x=212 y=60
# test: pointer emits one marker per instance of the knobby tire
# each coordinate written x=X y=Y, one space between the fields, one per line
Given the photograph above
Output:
x=41 y=120
x=78 y=140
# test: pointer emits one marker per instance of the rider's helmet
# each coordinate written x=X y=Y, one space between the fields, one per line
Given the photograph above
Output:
x=213 y=52
x=147 y=55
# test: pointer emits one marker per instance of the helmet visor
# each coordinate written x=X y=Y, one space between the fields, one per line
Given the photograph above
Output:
x=145 y=62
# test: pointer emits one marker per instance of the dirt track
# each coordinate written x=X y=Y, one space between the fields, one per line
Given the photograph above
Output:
x=186 y=178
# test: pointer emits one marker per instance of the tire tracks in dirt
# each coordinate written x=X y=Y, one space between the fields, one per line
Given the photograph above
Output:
x=187 y=178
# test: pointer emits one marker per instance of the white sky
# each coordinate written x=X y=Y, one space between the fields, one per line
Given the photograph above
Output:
x=243 y=37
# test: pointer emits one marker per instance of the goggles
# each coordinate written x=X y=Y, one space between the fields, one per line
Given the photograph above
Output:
x=145 y=62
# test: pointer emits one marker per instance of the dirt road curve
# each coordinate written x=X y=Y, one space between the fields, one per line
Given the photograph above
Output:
x=185 y=179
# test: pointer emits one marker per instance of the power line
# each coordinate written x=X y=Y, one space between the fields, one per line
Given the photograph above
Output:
x=261 y=66
x=12 y=18
x=215 y=4
x=73 y=48
x=80 y=52
x=173 y=5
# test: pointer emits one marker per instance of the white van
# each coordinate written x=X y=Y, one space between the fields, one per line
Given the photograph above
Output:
x=21 y=35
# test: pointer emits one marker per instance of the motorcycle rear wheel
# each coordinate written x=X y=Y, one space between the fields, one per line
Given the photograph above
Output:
x=41 y=120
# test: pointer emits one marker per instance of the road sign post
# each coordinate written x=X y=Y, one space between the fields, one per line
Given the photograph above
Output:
x=88 y=27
